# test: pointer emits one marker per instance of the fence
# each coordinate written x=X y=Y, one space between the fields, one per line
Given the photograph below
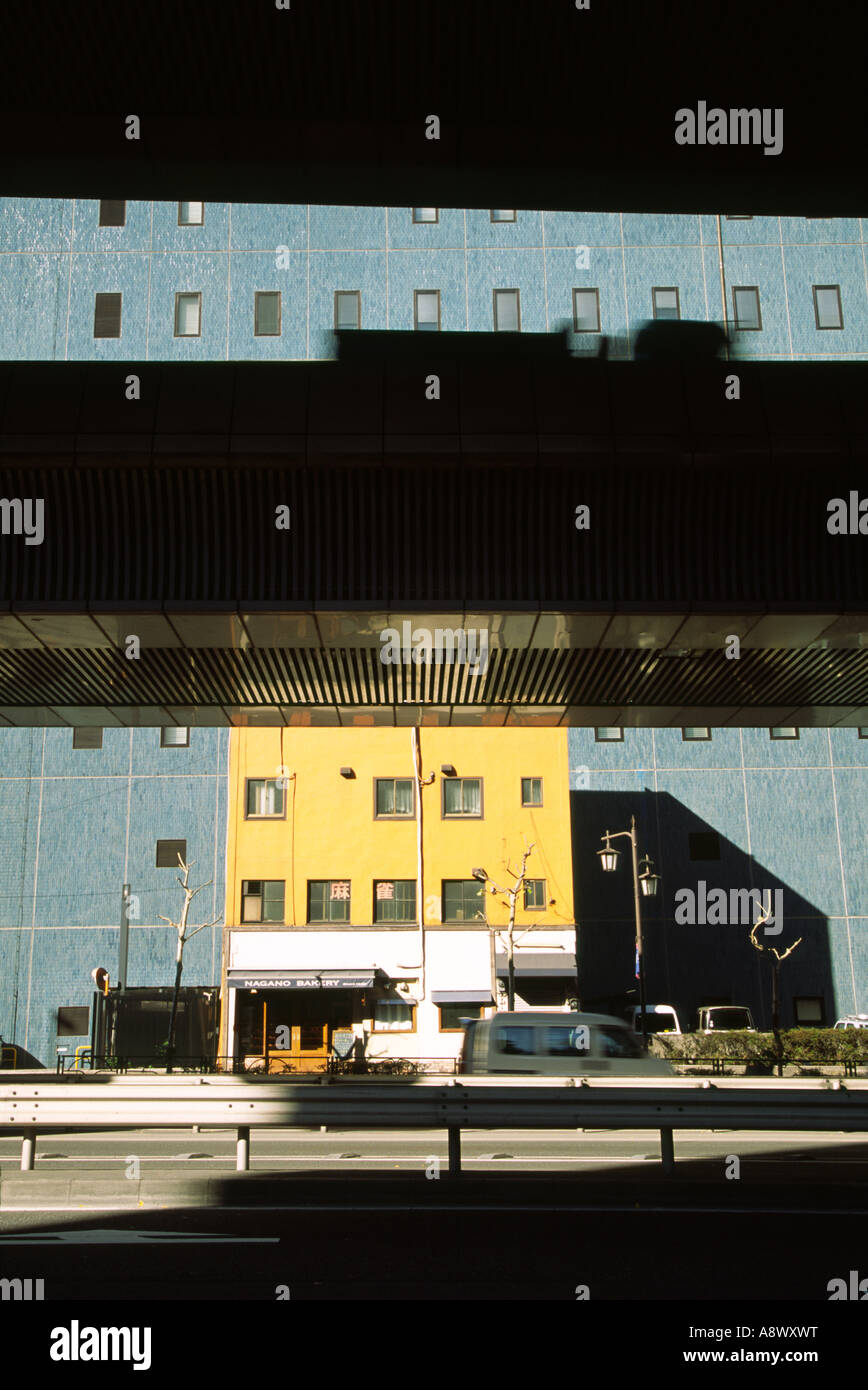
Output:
x=257 y=1063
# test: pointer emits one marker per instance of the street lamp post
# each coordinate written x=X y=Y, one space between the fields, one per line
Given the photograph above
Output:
x=644 y=885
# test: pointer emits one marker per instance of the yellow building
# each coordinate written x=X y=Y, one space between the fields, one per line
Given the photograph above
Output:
x=360 y=916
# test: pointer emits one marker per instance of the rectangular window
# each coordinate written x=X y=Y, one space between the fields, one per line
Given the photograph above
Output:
x=531 y=791
x=73 y=1022
x=862 y=731
x=827 y=306
x=266 y=314
x=586 y=311
x=782 y=732
x=112 y=212
x=191 y=214
x=463 y=900
x=393 y=796
x=612 y=734
x=348 y=309
x=188 y=315
x=328 y=900
x=264 y=797
x=426 y=214
x=394 y=1016
x=395 y=900
x=168 y=851
x=507 y=312
x=746 y=308
x=107 y=316
x=453 y=1016
x=810 y=1011
x=503 y=214
x=696 y=734
x=174 y=736
x=739 y=217
x=87 y=738
x=426 y=310
x=703 y=844
x=534 y=894
x=462 y=796
x=666 y=303
x=262 y=899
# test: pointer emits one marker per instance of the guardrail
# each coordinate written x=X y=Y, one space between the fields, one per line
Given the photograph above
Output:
x=473 y=1103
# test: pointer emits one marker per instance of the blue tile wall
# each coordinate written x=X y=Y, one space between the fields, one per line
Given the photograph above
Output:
x=790 y=815
x=54 y=257
x=78 y=824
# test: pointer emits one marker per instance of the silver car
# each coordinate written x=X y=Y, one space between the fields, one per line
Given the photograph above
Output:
x=555 y=1044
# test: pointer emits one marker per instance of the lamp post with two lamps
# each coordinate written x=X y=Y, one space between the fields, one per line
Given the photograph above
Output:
x=644 y=885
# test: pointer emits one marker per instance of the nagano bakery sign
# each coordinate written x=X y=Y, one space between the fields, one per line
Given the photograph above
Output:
x=336 y=980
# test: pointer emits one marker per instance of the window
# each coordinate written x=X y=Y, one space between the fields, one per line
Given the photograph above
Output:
x=827 y=306
x=746 y=308
x=393 y=796
x=463 y=900
x=665 y=303
x=613 y=734
x=503 y=214
x=703 y=844
x=783 y=733
x=168 y=851
x=107 y=316
x=616 y=1042
x=696 y=734
x=586 y=311
x=264 y=797
x=462 y=796
x=191 y=214
x=426 y=310
x=394 y=1016
x=395 y=900
x=739 y=217
x=73 y=1022
x=454 y=1016
x=188 y=315
x=112 y=212
x=516 y=1041
x=531 y=791
x=534 y=894
x=266 y=314
x=328 y=900
x=507 y=313
x=809 y=1011
x=348 y=309
x=262 y=899
x=862 y=731
x=87 y=738
x=426 y=214
x=175 y=736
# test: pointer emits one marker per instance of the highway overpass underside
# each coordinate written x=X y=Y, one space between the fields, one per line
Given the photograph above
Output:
x=598 y=534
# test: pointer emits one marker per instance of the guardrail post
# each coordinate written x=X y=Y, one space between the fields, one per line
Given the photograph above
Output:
x=667 y=1151
x=242 y=1149
x=28 y=1152
x=454 y=1134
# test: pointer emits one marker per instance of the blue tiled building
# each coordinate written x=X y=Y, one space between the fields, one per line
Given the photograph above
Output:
x=78 y=823
x=734 y=808
x=178 y=281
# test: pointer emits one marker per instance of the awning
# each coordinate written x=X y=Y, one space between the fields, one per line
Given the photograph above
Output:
x=539 y=965
x=461 y=996
x=306 y=979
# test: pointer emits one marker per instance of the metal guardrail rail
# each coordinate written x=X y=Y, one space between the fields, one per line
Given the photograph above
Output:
x=556 y=1103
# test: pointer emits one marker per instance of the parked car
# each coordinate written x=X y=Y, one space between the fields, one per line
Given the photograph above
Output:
x=853 y=1021
x=720 y=1018
x=555 y=1044
x=659 y=1018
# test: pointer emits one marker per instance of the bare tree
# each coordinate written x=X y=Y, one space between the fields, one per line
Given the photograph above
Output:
x=765 y=913
x=511 y=895
x=184 y=935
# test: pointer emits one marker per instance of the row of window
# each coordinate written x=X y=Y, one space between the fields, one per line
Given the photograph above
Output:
x=394 y=797
x=85 y=736
x=701 y=734
x=113 y=213
x=398 y=1016
x=267 y=310
x=394 y=899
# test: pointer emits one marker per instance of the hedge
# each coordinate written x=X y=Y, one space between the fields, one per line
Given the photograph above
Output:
x=798 y=1045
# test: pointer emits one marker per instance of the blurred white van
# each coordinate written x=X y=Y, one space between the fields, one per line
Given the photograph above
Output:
x=659 y=1018
x=555 y=1044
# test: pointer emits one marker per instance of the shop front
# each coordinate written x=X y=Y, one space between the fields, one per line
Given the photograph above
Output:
x=294 y=1022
